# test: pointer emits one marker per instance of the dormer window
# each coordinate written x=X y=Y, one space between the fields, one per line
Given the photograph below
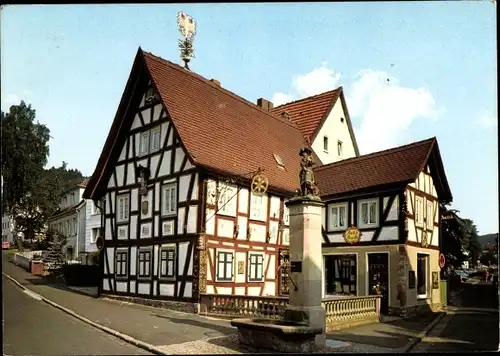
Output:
x=325 y=143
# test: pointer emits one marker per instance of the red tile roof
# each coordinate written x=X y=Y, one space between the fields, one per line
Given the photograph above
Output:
x=231 y=136
x=396 y=165
x=308 y=113
x=221 y=131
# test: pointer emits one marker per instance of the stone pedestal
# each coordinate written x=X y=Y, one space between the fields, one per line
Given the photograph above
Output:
x=306 y=264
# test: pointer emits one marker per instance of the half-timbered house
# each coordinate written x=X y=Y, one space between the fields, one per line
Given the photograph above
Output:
x=173 y=182
x=392 y=197
x=179 y=217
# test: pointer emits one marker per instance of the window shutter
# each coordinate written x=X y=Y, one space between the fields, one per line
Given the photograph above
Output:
x=261 y=261
x=230 y=258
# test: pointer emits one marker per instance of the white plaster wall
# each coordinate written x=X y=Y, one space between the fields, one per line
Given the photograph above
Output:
x=335 y=130
x=225 y=228
x=167 y=289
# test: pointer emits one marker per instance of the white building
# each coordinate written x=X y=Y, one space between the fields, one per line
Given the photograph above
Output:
x=80 y=221
x=7 y=229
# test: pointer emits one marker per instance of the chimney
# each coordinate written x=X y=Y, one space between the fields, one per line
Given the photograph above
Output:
x=215 y=81
x=265 y=104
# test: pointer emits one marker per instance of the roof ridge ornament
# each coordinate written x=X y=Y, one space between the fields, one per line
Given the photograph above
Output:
x=187 y=29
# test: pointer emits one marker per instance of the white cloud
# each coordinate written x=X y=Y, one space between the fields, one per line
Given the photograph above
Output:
x=281 y=98
x=486 y=120
x=317 y=81
x=386 y=109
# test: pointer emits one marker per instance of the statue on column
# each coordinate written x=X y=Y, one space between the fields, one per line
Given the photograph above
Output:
x=307 y=182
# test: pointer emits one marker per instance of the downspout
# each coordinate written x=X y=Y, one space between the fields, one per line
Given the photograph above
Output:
x=77 y=232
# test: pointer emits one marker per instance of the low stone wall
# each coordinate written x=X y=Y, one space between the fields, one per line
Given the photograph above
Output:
x=351 y=311
x=167 y=304
x=23 y=259
x=340 y=313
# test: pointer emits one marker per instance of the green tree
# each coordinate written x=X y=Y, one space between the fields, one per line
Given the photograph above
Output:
x=471 y=241
x=452 y=239
x=25 y=151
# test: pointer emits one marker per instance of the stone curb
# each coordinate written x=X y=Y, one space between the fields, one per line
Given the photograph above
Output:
x=124 y=337
x=411 y=344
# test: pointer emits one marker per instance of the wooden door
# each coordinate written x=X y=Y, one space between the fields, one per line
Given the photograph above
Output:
x=378 y=272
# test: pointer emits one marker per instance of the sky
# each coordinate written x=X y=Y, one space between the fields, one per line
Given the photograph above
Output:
x=410 y=71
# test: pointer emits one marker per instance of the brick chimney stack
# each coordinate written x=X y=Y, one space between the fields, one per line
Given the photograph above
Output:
x=265 y=104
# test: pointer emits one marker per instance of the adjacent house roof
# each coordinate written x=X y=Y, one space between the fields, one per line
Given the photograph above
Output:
x=310 y=113
x=66 y=211
x=81 y=184
x=229 y=135
x=400 y=165
x=221 y=131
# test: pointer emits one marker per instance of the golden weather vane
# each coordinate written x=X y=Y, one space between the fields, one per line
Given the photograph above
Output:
x=187 y=28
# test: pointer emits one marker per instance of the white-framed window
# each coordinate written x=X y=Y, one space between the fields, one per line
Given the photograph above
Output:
x=227 y=201
x=144 y=263
x=94 y=235
x=122 y=211
x=155 y=139
x=255 y=267
x=225 y=266
x=337 y=218
x=257 y=207
x=167 y=262
x=325 y=143
x=423 y=280
x=146 y=231
x=122 y=232
x=144 y=143
x=121 y=263
x=339 y=148
x=169 y=199
x=419 y=211
x=430 y=215
x=368 y=212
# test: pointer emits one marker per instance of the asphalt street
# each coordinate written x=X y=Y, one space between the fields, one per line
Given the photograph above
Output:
x=463 y=330
x=32 y=327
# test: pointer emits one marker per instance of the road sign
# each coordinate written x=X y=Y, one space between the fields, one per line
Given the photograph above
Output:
x=99 y=243
x=442 y=260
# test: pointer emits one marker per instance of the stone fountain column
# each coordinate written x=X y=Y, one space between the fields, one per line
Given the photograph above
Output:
x=305 y=290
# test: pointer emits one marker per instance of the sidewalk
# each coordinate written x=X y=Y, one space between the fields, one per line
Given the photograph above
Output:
x=175 y=332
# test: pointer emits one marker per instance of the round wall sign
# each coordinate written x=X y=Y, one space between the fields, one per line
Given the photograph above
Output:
x=352 y=235
x=442 y=260
x=99 y=243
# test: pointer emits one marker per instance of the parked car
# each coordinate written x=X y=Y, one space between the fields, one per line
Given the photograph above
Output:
x=462 y=274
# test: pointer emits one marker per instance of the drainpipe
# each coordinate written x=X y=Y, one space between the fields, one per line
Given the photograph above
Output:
x=77 y=232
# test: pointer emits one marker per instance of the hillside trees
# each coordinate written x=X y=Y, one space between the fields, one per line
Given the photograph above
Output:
x=31 y=193
x=25 y=152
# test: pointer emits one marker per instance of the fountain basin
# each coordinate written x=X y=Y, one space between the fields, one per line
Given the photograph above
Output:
x=276 y=335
